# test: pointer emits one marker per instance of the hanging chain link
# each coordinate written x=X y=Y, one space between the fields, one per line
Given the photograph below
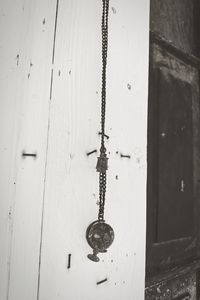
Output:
x=102 y=163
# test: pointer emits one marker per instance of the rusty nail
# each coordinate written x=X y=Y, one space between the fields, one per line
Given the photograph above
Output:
x=69 y=261
x=102 y=281
x=125 y=156
x=29 y=154
x=91 y=152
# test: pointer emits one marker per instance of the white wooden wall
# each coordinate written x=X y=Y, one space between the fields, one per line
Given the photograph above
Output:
x=50 y=83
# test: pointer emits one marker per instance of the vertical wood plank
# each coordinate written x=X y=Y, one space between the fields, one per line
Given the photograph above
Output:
x=71 y=188
x=26 y=37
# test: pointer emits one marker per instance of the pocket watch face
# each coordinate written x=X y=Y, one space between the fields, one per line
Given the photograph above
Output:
x=100 y=236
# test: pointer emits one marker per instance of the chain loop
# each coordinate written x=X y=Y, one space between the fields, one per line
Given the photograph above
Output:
x=102 y=160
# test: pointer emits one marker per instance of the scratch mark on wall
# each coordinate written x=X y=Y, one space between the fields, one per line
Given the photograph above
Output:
x=47 y=148
x=51 y=85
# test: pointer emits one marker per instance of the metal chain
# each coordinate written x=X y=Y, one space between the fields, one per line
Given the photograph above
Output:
x=102 y=160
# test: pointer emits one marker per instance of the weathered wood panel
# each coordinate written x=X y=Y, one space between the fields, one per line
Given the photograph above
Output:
x=173 y=161
x=26 y=38
x=177 y=288
x=72 y=182
x=174 y=20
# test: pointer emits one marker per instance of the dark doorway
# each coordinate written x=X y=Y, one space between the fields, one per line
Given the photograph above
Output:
x=173 y=183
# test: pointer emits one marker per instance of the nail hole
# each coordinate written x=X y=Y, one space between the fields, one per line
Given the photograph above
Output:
x=113 y=10
x=129 y=86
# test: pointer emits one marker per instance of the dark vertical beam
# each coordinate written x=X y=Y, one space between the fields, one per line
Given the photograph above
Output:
x=197 y=27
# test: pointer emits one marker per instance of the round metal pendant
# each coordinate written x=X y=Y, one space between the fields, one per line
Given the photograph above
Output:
x=100 y=236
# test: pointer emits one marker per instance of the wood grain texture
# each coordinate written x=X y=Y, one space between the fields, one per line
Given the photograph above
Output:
x=174 y=20
x=71 y=188
x=26 y=36
x=165 y=252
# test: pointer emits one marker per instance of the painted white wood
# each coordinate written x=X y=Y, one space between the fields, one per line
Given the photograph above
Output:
x=26 y=43
x=71 y=186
